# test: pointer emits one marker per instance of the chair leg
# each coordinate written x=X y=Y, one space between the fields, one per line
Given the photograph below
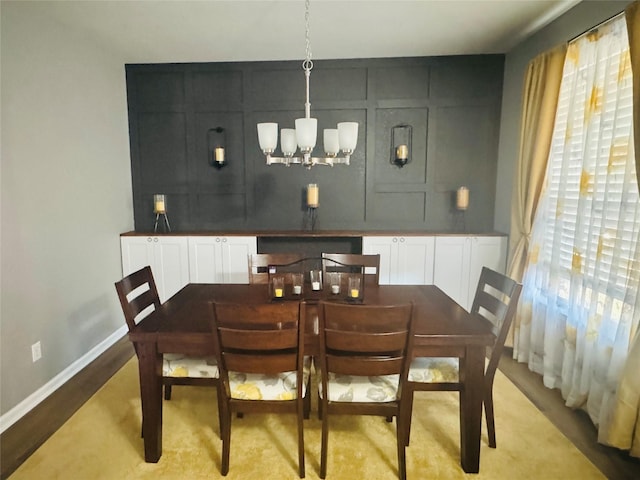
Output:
x=167 y=392
x=408 y=415
x=323 y=447
x=301 y=472
x=307 y=400
x=225 y=433
x=488 y=411
x=400 y=436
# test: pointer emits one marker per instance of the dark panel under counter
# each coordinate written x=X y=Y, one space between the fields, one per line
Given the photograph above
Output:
x=311 y=246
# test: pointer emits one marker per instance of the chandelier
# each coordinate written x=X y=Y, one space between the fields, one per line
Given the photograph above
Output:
x=336 y=140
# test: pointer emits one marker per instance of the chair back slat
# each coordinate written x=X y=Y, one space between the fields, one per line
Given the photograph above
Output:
x=363 y=342
x=364 y=366
x=260 y=362
x=264 y=340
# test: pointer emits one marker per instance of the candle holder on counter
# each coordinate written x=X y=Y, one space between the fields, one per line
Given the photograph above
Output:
x=160 y=209
x=313 y=202
x=461 y=206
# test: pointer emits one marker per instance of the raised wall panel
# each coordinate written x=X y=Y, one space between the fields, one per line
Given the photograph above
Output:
x=159 y=88
x=396 y=208
x=220 y=89
x=401 y=82
x=163 y=148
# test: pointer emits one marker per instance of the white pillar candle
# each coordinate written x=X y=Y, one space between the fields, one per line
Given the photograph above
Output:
x=313 y=195
x=462 y=198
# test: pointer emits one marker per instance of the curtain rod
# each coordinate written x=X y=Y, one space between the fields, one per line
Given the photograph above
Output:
x=595 y=27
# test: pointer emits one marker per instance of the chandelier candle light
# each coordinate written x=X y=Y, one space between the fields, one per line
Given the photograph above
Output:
x=343 y=139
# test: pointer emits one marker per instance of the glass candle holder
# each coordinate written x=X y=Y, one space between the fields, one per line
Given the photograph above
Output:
x=277 y=287
x=334 y=282
x=297 y=280
x=159 y=204
x=355 y=290
x=316 y=279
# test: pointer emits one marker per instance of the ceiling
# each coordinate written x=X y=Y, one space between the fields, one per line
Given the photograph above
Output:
x=154 y=31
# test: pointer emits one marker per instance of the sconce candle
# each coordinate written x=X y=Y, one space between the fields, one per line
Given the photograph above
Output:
x=402 y=153
x=219 y=154
x=462 y=198
x=313 y=195
x=159 y=205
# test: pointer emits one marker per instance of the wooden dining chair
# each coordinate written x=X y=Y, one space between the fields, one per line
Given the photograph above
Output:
x=347 y=262
x=138 y=298
x=364 y=365
x=259 y=264
x=495 y=301
x=262 y=364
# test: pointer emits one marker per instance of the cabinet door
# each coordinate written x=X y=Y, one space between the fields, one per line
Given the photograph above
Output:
x=235 y=258
x=171 y=262
x=415 y=260
x=451 y=267
x=137 y=252
x=485 y=252
x=387 y=248
x=205 y=259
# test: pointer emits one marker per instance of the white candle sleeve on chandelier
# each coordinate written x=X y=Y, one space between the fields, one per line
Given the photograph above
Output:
x=331 y=143
x=268 y=136
x=348 y=135
x=306 y=132
x=288 y=141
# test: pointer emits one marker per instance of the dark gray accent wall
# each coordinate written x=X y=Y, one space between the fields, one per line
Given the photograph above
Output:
x=452 y=103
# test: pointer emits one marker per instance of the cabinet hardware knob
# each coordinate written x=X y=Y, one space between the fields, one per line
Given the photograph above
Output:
x=402 y=239
x=395 y=240
x=218 y=239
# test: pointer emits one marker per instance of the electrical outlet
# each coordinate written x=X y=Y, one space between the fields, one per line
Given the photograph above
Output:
x=36 y=351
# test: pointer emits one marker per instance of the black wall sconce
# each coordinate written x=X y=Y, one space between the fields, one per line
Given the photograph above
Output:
x=401 y=136
x=216 y=146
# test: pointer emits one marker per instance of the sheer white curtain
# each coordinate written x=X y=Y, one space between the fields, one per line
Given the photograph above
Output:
x=579 y=304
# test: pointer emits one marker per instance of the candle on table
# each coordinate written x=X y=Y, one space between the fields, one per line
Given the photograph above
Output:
x=354 y=293
x=278 y=292
x=297 y=289
x=315 y=285
x=335 y=289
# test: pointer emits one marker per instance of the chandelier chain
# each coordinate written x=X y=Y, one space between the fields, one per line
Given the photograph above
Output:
x=308 y=63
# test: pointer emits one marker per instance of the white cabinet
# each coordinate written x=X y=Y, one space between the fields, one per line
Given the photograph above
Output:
x=220 y=259
x=168 y=257
x=459 y=261
x=403 y=260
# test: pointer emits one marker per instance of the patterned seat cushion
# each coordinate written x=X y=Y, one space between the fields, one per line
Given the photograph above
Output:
x=177 y=365
x=254 y=386
x=349 y=388
x=434 y=369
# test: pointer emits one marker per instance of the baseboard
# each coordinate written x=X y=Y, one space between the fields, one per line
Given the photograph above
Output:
x=33 y=400
x=35 y=419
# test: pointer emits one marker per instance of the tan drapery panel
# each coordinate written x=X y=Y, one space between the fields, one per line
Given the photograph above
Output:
x=540 y=99
x=632 y=14
x=539 y=103
x=622 y=428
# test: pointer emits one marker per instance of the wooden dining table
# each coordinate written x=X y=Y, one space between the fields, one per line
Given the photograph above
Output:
x=443 y=328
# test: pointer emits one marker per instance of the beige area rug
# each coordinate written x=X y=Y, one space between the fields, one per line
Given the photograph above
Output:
x=102 y=441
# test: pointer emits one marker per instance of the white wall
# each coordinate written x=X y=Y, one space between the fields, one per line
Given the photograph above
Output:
x=580 y=18
x=65 y=197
